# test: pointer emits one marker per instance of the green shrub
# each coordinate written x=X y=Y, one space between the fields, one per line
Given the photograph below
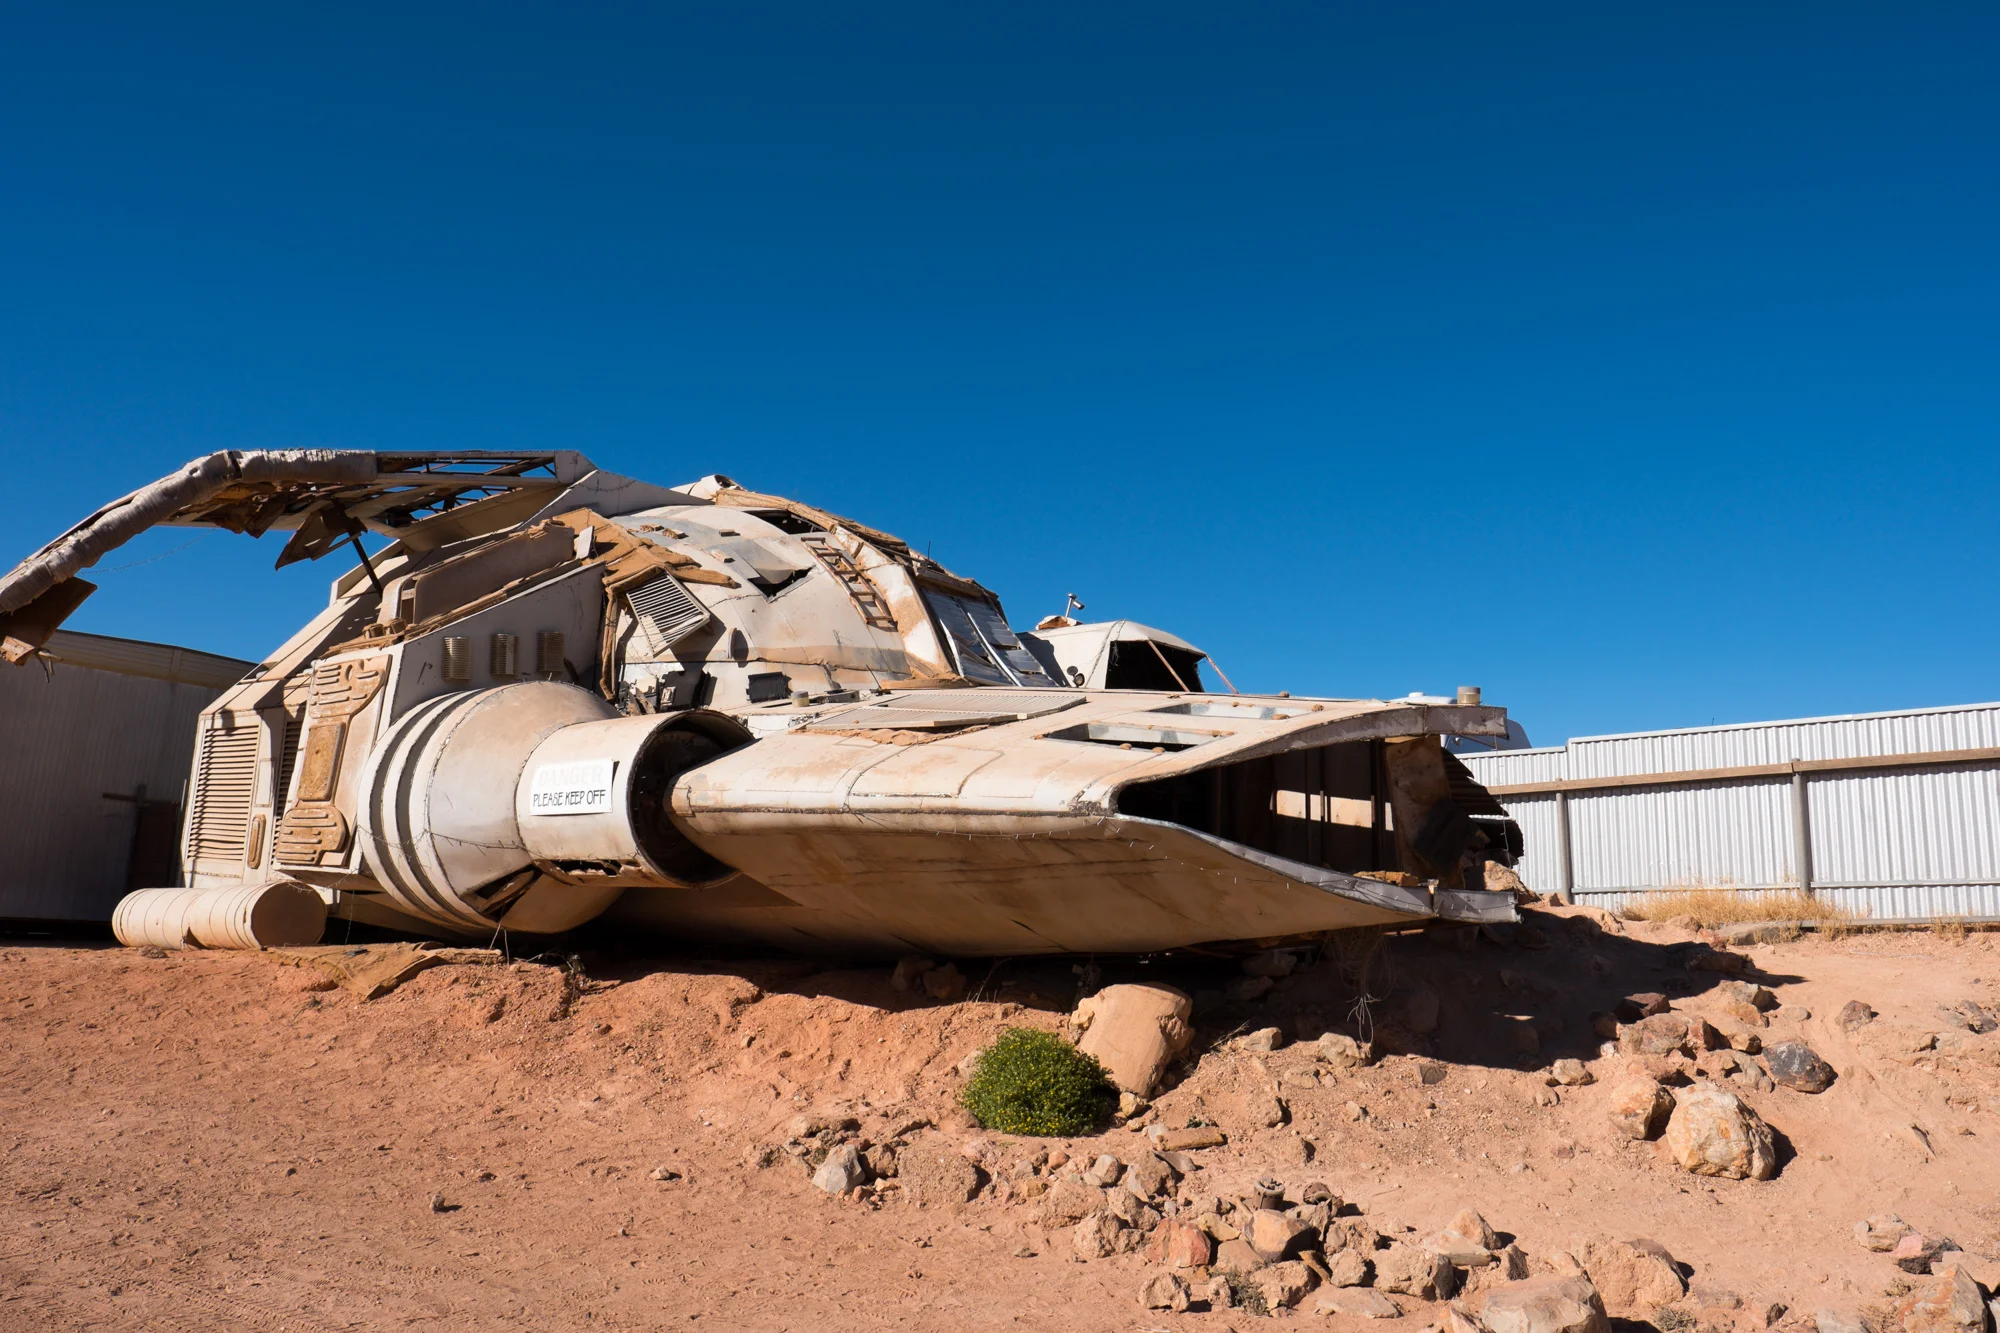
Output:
x=1032 y=1082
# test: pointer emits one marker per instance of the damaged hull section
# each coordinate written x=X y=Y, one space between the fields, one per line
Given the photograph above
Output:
x=1012 y=837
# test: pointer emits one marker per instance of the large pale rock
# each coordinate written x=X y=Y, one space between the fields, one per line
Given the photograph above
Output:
x=1100 y=1236
x=1067 y=1203
x=1135 y=1032
x=1344 y=1052
x=1283 y=1285
x=1346 y=1268
x=1640 y=1107
x=1357 y=1303
x=1469 y=1224
x=1180 y=1245
x=932 y=1173
x=1882 y=1232
x=1546 y=1305
x=1238 y=1256
x=1276 y=1236
x=1415 y=1272
x=1712 y=1133
x=1633 y=1278
x=841 y=1171
x=1948 y=1303
x=1149 y=1177
x=1164 y=1291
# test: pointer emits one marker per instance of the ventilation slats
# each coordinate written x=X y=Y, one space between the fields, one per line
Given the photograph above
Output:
x=225 y=781
x=666 y=612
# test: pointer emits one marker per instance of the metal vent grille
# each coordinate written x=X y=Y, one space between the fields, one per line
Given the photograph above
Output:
x=944 y=710
x=288 y=756
x=666 y=612
x=225 y=779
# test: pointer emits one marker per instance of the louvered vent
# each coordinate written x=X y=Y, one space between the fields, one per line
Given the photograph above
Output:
x=288 y=755
x=666 y=612
x=225 y=778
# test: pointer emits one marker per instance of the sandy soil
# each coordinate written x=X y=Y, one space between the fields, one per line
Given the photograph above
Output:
x=212 y=1141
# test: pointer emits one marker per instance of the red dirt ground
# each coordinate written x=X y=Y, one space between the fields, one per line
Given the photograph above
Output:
x=203 y=1142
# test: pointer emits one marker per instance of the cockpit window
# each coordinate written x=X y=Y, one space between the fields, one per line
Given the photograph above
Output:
x=982 y=646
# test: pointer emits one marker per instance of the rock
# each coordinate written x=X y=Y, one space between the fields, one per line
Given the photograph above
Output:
x=438 y=1205
x=1272 y=963
x=1067 y=1203
x=665 y=1173
x=1970 y=1015
x=1347 y=1268
x=1415 y=1272
x=1712 y=1133
x=1882 y=1232
x=1547 y=1097
x=1643 y=1004
x=1501 y=879
x=1238 y=1256
x=1473 y=1227
x=1747 y=992
x=1430 y=1075
x=1180 y=1244
x=1747 y=1014
x=1164 y=1291
x=841 y=1171
x=1104 y=1172
x=1717 y=960
x=1551 y=1304
x=1633 y=1278
x=1283 y=1285
x=154 y=951
x=1100 y=1236
x=1854 y=1014
x=1950 y=1303
x=1739 y=1036
x=1319 y=1191
x=1130 y=1209
x=932 y=1173
x=1795 y=1065
x=1357 y=1303
x=1149 y=1177
x=1663 y=1034
x=1276 y=1236
x=1571 y=1073
x=1262 y=1040
x=1459 y=1251
x=1917 y=1252
x=945 y=984
x=1216 y=1291
x=1420 y=1011
x=1189 y=1140
x=1135 y=1031
x=1513 y=1264
x=908 y=969
x=1343 y=1051
x=1521 y=1034
x=1758 y=932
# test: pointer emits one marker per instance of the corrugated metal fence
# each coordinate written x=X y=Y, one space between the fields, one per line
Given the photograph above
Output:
x=1895 y=816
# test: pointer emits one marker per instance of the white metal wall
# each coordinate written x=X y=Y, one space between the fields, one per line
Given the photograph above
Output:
x=66 y=739
x=1892 y=843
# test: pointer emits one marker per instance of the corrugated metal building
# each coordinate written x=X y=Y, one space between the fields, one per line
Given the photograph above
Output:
x=1893 y=815
x=94 y=755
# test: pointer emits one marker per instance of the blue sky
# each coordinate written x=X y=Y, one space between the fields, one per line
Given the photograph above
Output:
x=1639 y=367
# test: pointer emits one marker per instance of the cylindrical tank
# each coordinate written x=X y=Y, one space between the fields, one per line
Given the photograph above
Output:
x=530 y=806
x=242 y=916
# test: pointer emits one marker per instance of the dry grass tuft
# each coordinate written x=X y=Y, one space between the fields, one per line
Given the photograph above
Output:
x=1728 y=907
x=1950 y=927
